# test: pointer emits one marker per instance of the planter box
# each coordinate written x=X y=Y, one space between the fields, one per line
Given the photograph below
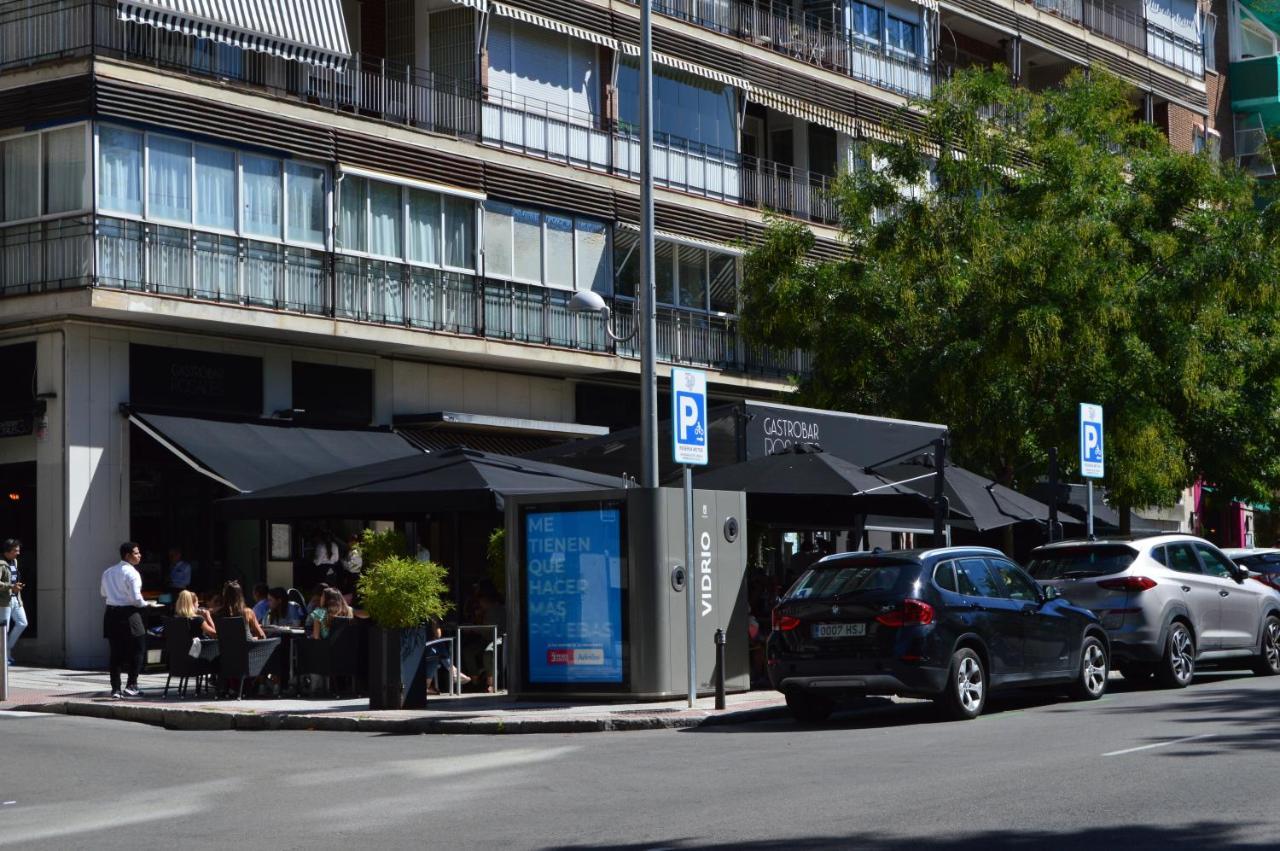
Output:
x=397 y=675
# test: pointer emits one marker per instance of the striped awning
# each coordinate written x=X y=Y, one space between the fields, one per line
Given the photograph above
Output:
x=505 y=11
x=689 y=67
x=311 y=31
x=796 y=108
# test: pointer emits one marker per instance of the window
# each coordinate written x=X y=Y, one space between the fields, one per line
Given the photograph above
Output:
x=974 y=580
x=545 y=248
x=120 y=171
x=724 y=283
x=1016 y=584
x=693 y=277
x=169 y=179
x=865 y=21
x=64 y=170
x=664 y=271
x=353 y=225
x=626 y=274
x=1181 y=558
x=1081 y=562
x=424 y=227
x=21 y=170
x=944 y=576
x=215 y=188
x=853 y=576
x=689 y=276
x=306 y=212
x=1215 y=563
x=261 y=196
x=384 y=220
x=684 y=106
x=902 y=35
x=459 y=233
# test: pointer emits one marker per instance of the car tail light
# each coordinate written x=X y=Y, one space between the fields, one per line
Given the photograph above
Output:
x=784 y=623
x=912 y=612
x=1128 y=583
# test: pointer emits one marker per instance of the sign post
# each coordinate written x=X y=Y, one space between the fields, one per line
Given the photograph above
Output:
x=689 y=448
x=1092 y=465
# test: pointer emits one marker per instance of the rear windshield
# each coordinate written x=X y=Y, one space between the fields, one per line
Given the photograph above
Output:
x=854 y=577
x=1080 y=562
x=1260 y=562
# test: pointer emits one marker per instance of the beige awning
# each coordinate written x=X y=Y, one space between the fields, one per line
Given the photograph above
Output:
x=545 y=23
x=689 y=67
x=796 y=108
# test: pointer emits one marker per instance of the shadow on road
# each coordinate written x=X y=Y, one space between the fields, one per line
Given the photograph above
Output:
x=1197 y=836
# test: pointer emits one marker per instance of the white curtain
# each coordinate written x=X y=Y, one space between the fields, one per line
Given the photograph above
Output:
x=527 y=248
x=593 y=257
x=459 y=233
x=168 y=179
x=215 y=188
x=384 y=225
x=497 y=240
x=559 y=251
x=64 y=170
x=120 y=171
x=306 y=204
x=262 y=196
x=424 y=227
x=353 y=225
x=22 y=178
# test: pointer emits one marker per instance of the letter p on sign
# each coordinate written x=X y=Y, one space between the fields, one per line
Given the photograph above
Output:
x=1092 y=464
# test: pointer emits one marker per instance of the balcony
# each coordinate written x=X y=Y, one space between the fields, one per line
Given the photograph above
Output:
x=1255 y=87
x=807 y=38
x=105 y=252
x=1131 y=29
x=536 y=128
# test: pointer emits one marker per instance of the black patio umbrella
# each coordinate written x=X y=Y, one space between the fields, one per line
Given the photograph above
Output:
x=811 y=485
x=456 y=479
x=975 y=501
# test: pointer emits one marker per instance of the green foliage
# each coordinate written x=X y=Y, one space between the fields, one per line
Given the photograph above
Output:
x=377 y=547
x=401 y=592
x=1067 y=254
x=496 y=554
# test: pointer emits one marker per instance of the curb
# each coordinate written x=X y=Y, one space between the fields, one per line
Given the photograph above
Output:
x=209 y=719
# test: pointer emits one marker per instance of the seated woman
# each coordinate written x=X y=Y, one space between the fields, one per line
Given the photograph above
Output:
x=233 y=607
x=281 y=611
x=332 y=606
x=187 y=606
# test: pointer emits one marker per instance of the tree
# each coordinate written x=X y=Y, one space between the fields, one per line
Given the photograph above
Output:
x=1064 y=252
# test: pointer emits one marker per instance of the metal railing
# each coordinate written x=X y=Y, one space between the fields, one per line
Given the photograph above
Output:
x=1132 y=29
x=808 y=38
x=120 y=254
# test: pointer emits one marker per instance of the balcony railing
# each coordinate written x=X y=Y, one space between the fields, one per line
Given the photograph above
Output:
x=537 y=128
x=808 y=38
x=100 y=251
x=1132 y=29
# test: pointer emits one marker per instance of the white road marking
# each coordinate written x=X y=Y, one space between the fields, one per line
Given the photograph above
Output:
x=1160 y=744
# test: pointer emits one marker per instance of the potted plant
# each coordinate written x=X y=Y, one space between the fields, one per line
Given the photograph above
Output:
x=401 y=594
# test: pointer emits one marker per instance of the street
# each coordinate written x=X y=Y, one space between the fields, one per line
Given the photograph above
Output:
x=1141 y=768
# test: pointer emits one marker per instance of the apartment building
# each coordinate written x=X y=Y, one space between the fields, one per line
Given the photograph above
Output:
x=304 y=225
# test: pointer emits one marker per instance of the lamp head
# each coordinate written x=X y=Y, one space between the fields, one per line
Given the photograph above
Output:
x=587 y=301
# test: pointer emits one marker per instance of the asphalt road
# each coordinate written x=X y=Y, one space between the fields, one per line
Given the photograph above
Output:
x=1142 y=768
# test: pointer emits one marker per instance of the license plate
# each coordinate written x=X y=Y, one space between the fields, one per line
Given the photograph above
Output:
x=839 y=630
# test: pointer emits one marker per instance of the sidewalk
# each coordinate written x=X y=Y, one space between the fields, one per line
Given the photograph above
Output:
x=86 y=693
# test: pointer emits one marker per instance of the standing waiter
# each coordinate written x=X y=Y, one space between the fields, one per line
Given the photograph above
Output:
x=122 y=622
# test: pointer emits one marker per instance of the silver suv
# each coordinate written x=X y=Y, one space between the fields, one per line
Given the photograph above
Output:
x=1167 y=602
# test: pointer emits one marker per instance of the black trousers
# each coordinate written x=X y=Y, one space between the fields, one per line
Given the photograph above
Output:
x=128 y=641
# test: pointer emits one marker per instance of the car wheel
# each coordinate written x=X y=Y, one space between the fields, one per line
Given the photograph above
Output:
x=1091 y=681
x=1179 y=663
x=1135 y=672
x=809 y=708
x=966 y=693
x=1267 y=664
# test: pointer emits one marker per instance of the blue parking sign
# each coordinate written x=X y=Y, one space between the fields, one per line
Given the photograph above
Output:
x=689 y=416
x=1092 y=465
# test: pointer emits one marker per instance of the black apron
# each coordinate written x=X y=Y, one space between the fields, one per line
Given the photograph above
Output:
x=122 y=622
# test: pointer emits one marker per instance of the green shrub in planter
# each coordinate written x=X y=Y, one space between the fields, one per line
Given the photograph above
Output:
x=401 y=593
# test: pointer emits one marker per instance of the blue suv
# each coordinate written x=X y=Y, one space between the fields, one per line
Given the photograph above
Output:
x=949 y=624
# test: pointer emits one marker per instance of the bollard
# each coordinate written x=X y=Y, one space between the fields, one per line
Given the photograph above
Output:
x=4 y=661
x=719 y=669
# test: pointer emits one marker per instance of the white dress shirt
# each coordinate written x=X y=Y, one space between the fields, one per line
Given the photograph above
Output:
x=122 y=585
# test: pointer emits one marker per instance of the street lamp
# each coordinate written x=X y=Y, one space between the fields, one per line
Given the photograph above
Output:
x=591 y=302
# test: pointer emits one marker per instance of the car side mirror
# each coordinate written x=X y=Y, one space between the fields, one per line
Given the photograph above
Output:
x=1049 y=592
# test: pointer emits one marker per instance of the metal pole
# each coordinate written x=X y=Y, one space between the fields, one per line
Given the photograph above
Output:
x=648 y=299
x=457 y=661
x=719 y=669
x=690 y=585
x=1053 y=493
x=1089 y=526
x=939 y=492
x=4 y=661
